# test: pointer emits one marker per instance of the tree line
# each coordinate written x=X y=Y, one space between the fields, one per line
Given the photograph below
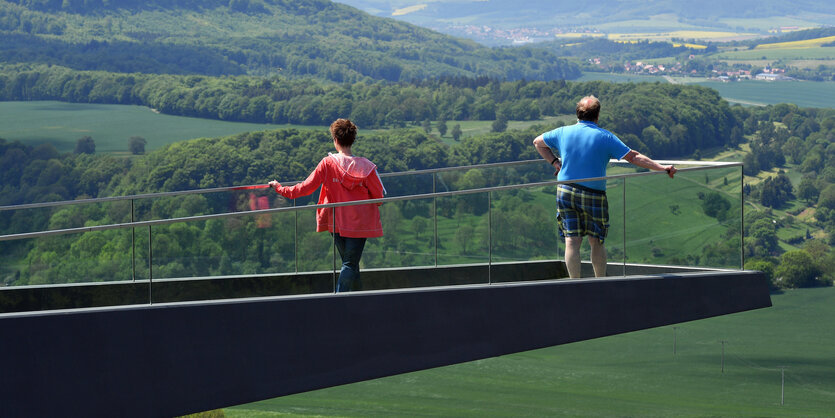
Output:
x=658 y=119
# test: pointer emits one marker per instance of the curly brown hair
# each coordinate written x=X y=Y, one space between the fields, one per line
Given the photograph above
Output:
x=344 y=132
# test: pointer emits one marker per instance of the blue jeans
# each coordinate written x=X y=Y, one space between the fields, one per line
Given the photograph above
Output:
x=350 y=249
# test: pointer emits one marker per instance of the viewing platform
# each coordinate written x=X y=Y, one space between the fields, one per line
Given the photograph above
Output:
x=218 y=297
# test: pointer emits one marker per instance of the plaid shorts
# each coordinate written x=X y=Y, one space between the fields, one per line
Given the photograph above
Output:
x=582 y=211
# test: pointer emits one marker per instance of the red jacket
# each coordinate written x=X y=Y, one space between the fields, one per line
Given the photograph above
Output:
x=343 y=179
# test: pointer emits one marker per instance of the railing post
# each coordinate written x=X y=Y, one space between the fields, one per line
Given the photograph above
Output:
x=296 y=238
x=623 y=204
x=489 y=237
x=150 y=267
x=132 y=242
x=435 y=219
x=333 y=249
x=742 y=218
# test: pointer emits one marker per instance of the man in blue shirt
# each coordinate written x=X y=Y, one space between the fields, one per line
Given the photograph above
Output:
x=582 y=208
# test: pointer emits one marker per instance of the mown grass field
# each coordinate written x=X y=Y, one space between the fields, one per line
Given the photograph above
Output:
x=110 y=126
x=801 y=93
x=642 y=373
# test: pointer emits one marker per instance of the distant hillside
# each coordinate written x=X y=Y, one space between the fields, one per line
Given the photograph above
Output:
x=294 y=38
x=567 y=12
x=503 y=22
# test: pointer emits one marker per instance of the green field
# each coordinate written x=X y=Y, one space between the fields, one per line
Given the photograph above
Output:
x=752 y=92
x=779 y=54
x=801 y=93
x=110 y=126
x=634 y=374
x=801 y=20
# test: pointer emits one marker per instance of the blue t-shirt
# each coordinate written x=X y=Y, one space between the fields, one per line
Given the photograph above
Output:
x=585 y=150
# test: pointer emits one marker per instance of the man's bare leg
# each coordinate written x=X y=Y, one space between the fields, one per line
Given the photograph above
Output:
x=572 y=256
x=598 y=257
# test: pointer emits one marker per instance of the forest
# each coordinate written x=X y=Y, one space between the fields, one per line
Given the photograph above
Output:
x=302 y=38
x=694 y=117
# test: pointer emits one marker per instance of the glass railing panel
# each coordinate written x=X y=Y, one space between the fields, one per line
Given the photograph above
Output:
x=725 y=182
x=209 y=203
x=613 y=243
x=523 y=225
x=408 y=236
x=17 y=221
x=315 y=249
x=68 y=216
x=238 y=245
x=93 y=256
x=408 y=184
x=463 y=231
x=494 y=175
x=692 y=220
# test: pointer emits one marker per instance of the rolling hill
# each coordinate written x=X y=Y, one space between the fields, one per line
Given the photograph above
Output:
x=569 y=13
x=291 y=38
x=501 y=22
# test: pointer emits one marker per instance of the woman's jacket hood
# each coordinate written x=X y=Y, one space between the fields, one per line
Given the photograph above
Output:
x=352 y=170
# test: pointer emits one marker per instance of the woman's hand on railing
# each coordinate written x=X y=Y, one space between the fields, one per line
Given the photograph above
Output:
x=671 y=170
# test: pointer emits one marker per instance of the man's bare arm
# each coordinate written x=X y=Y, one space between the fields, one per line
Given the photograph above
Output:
x=641 y=160
x=546 y=153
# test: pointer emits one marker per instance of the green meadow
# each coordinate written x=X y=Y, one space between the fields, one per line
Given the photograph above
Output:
x=802 y=20
x=668 y=371
x=110 y=126
x=779 y=54
x=750 y=92
x=753 y=92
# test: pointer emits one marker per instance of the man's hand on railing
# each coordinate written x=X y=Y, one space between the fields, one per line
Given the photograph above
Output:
x=275 y=185
x=671 y=170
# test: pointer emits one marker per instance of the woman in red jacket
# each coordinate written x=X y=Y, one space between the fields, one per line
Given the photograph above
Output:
x=344 y=178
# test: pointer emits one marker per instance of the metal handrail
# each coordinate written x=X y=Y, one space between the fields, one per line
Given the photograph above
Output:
x=233 y=188
x=26 y=235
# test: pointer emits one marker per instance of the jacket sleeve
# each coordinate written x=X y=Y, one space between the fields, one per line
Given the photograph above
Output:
x=375 y=186
x=308 y=186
